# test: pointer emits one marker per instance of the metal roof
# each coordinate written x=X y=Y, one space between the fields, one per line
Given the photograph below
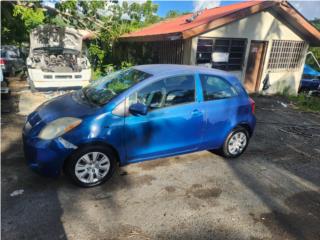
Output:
x=209 y=19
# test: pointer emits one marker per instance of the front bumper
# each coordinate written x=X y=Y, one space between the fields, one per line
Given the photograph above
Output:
x=45 y=157
x=43 y=80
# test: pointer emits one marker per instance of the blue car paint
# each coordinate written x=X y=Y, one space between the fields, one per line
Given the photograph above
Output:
x=164 y=132
x=310 y=79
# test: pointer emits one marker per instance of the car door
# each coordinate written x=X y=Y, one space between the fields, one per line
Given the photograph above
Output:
x=173 y=123
x=220 y=105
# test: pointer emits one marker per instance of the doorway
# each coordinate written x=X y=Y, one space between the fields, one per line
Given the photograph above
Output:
x=255 y=64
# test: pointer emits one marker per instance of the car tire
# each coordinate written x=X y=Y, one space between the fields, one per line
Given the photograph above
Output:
x=78 y=161
x=236 y=143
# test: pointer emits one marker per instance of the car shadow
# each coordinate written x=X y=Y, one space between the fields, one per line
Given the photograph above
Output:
x=284 y=178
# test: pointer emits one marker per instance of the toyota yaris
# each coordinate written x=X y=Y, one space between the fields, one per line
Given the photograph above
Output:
x=141 y=113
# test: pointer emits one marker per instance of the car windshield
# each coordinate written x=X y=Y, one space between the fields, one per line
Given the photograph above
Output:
x=105 y=88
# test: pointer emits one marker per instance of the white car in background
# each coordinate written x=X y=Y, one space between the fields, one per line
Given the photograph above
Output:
x=57 y=59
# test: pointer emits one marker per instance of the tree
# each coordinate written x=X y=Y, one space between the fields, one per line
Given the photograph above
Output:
x=18 y=20
x=316 y=23
x=174 y=13
x=32 y=17
x=108 y=19
x=314 y=50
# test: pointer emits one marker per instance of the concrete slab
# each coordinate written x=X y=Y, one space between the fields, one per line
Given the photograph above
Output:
x=29 y=101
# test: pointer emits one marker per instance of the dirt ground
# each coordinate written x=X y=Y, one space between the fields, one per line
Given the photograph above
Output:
x=270 y=192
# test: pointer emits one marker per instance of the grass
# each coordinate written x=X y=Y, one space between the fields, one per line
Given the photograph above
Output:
x=306 y=103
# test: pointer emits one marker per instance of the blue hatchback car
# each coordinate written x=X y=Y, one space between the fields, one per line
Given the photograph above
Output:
x=141 y=113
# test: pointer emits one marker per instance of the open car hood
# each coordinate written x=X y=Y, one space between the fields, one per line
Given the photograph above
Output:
x=55 y=37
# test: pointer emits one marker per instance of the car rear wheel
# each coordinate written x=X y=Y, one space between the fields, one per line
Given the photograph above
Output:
x=236 y=143
x=91 y=165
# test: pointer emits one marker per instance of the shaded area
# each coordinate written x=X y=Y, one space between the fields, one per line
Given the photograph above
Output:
x=282 y=169
x=37 y=211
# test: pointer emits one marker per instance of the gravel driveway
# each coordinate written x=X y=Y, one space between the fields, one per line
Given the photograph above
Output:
x=270 y=192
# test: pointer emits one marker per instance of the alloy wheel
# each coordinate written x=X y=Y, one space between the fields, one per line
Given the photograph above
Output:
x=92 y=167
x=237 y=143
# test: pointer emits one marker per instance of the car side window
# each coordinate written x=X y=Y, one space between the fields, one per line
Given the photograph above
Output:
x=167 y=92
x=216 y=88
x=179 y=90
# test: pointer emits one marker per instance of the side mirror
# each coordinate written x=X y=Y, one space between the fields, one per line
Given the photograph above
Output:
x=138 y=109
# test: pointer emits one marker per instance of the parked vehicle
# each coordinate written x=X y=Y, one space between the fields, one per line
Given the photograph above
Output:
x=57 y=58
x=5 y=91
x=11 y=60
x=310 y=80
x=133 y=115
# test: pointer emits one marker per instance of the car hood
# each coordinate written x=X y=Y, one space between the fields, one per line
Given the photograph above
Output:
x=48 y=36
x=68 y=105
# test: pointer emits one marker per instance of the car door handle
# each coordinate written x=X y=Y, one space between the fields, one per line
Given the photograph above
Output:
x=196 y=112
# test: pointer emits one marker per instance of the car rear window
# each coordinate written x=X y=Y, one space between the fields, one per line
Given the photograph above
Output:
x=215 y=87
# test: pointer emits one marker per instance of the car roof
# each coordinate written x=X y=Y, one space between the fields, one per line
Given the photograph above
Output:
x=168 y=69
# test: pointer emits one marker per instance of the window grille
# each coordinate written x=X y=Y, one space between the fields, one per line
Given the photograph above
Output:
x=286 y=55
x=235 y=48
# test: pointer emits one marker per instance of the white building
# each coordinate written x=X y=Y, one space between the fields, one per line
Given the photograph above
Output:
x=251 y=39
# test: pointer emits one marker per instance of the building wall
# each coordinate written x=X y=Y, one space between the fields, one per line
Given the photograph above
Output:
x=262 y=26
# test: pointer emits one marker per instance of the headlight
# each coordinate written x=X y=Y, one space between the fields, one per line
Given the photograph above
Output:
x=58 y=127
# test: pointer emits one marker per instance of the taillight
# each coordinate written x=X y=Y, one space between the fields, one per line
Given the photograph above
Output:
x=2 y=61
x=253 y=105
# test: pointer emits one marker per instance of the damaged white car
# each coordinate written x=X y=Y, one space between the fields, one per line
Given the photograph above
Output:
x=57 y=58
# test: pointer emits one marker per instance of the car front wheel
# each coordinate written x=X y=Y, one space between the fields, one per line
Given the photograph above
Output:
x=91 y=165
x=236 y=143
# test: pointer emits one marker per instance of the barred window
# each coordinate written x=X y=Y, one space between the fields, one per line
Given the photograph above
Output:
x=204 y=50
x=286 y=55
x=222 y=53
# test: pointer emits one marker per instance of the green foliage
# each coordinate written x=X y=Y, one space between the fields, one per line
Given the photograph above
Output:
x=306 y=103
x=57 y=21
x=32 y=17
x=96 y=51
x=12 y=28
x=118 y=86
x=96 y=74
x=286 y=91
x=109 y=68
x=107 y=19
x=310 y=61
x=173 y=14
x=67 y=6
x=316 y=23
x=314 y=50
x=126 y=64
